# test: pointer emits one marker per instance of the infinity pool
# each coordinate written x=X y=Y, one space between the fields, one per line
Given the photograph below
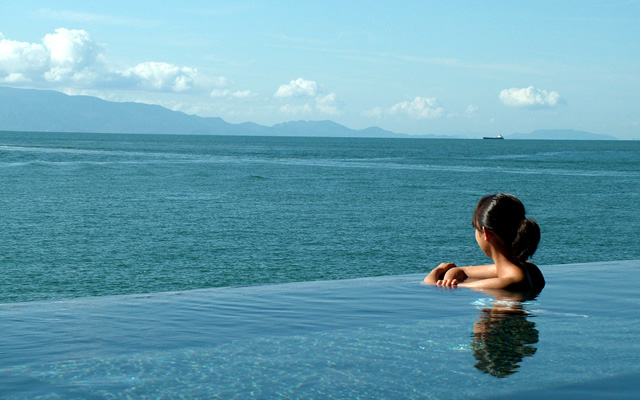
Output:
x=388 y=337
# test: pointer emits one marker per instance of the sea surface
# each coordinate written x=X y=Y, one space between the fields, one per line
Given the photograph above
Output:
x=106 y=214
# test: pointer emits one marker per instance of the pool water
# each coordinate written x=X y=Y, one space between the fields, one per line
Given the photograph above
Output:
x=385 y=337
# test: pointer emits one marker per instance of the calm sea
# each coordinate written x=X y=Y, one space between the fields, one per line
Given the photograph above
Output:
x=102 y=214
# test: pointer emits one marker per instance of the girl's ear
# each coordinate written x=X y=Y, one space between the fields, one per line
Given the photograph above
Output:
x=486 y=233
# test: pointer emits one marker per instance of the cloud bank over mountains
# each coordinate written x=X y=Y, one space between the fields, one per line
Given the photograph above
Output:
x=71 y=61
x=307 y=90
x=421 y=68
x=298 y=88
x=418 y=108
x=51 y=111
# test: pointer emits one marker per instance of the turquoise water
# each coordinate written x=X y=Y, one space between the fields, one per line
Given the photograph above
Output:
x=105 y=239
x=95 y=215
x=367 y=338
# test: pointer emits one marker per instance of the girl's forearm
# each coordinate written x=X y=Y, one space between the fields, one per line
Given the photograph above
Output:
x=480 y=271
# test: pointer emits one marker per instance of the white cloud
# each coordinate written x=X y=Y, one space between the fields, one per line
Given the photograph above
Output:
x=68 y=55
x=419 y=108
x=530 y=97
x=21 y=61
x=298 y=88
x=243 y=94
x=296 y=110
x=72 y=53
x=226 y=93
x=71 y=48
x=71 y=58
x=163 y=76
x=328 y=104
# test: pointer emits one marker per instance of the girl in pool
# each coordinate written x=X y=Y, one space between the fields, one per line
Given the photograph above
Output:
x=509 y=238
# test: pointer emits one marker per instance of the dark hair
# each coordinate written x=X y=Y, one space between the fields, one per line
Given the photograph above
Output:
x=504 y=215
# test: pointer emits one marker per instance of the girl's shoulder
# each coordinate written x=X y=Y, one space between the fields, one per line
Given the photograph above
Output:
x=536 y=279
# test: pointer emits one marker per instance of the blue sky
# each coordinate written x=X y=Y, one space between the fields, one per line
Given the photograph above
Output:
x=417 y=67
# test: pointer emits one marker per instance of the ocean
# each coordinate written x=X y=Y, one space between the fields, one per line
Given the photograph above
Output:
x=109 y=214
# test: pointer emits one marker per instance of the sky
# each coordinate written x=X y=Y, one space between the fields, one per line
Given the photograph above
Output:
x=450 y=67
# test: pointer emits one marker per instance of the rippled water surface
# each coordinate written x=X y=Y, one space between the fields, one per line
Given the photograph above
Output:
x=95 y=215
x=370 y=338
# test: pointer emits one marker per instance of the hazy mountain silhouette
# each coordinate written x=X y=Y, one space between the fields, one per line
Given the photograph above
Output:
x=51 y=111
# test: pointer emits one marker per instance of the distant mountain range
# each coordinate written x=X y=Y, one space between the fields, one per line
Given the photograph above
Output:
x=51 y=111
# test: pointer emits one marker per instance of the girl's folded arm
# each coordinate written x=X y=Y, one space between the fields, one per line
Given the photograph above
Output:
x=480 y=271
x=491 y=283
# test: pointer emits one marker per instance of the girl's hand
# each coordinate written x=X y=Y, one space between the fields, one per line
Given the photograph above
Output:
x=452 y=277
x=455 y=274
x=438 y=273
x=447 y=283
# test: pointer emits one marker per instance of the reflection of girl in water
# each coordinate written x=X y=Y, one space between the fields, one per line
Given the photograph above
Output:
x=506 y=236
x=502 y=338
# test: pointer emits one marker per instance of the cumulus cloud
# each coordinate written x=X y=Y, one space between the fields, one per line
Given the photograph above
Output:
x=21 y=61
x=419 y=108
x=530 y=97
x=298 y=93
x=162 y=76
x=71 y=58
x=66 y=55
x=71 y=53
x=298 y=88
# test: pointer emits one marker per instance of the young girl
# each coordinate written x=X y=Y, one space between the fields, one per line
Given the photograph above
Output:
x=509 y=238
